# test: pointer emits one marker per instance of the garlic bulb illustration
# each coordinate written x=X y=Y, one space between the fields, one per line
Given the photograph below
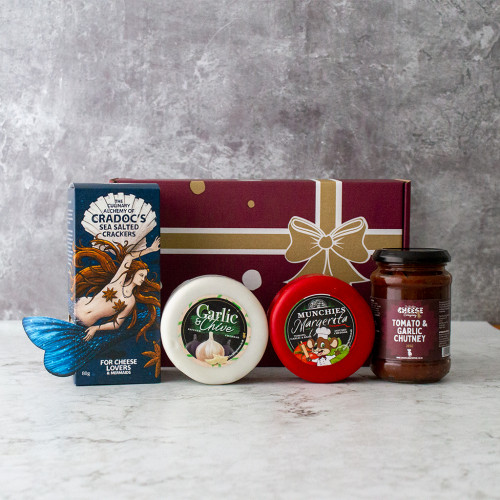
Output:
x=209 y=349
x=193 y=345
x=228 y=350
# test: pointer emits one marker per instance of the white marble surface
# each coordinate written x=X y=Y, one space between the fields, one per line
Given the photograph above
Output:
x=270 y=435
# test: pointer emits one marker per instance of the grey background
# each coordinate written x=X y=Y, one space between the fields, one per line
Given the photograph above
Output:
x=91 y=90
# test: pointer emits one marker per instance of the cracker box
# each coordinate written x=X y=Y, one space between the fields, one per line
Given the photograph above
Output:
x=114 y=282
x=264 y=233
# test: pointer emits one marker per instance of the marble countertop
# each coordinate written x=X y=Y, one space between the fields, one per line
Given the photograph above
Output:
x=270 y=435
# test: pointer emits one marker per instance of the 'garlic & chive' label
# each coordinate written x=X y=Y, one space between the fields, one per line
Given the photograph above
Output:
x=214 y=331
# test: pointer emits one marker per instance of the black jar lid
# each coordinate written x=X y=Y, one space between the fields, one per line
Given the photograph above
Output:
x=411 y=256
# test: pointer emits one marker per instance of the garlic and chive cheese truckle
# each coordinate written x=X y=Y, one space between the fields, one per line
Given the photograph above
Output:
x=214 y=329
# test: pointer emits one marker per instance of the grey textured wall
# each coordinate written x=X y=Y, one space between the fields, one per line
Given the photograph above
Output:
x=91 y=90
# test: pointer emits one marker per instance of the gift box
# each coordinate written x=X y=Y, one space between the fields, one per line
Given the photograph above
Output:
x=265 y=233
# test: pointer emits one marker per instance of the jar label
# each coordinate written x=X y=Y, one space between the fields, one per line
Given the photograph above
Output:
x=320 y=330
x=413 y=330
x=214 y=331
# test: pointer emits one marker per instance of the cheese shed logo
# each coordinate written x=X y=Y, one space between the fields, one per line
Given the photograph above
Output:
x=411 y=311
x=214 y=331
x=320 y=330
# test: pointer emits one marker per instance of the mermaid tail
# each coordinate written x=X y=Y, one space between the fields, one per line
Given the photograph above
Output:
x=65 y=349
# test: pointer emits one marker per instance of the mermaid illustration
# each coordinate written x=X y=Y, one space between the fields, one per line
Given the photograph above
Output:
x=119 y=296
x=113 y=299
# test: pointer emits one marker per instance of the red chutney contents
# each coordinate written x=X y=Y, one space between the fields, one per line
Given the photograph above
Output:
x=411 y=307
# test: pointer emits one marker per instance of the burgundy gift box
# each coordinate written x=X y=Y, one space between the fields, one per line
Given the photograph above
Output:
x=266 y=232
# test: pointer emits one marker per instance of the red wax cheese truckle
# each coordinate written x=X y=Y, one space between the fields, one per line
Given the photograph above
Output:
x=321 y=328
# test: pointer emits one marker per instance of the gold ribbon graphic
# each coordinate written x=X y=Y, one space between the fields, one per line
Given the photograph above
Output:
x=331 y=253
x=326 y=245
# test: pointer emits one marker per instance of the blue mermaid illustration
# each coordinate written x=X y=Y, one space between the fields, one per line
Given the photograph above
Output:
x=114 y=298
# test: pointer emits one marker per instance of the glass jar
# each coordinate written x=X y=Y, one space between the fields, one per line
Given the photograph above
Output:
x=411 y=306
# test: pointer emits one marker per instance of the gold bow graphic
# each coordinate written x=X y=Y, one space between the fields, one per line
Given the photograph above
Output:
x=329 y=254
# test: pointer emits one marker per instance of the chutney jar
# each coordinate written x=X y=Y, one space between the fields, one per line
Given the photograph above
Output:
x=411 y=303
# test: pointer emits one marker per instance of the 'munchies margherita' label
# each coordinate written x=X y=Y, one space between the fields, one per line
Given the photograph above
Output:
x=320 y=330
x=214 y=331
